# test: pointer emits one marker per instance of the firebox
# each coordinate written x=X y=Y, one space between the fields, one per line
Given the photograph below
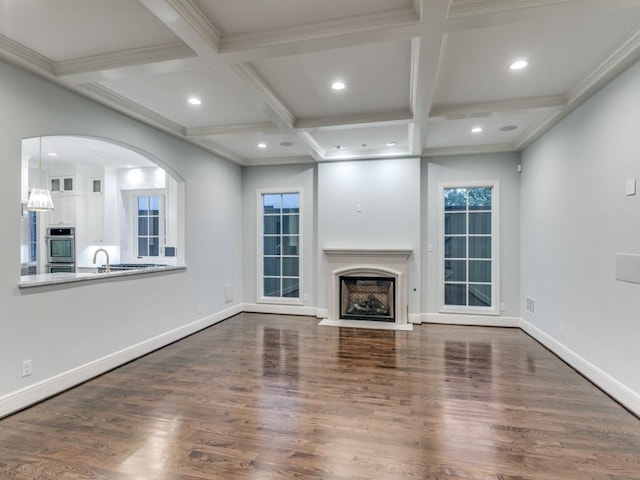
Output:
x=367 y=298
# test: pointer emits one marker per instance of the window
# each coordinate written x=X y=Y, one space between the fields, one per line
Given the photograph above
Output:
x=150 y=225
x=33 y=237
x=469 y=253
x=280 y=247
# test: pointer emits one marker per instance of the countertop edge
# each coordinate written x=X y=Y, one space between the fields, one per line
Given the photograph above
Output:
x=29 y=281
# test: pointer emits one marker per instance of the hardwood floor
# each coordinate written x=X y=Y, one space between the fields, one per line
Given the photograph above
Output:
x=265 y=397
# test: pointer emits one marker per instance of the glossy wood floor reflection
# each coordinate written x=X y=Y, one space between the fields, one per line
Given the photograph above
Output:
x=273 y=397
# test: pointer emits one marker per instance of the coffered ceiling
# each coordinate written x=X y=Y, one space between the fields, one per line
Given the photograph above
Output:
x=419 y=75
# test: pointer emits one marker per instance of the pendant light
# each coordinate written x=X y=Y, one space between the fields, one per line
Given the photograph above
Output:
x=40 y=198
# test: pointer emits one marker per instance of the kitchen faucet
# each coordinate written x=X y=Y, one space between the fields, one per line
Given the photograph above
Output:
x=106 y=254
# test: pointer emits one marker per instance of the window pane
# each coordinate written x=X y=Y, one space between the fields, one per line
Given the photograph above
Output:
x=455 y=270
x=272 y=203
x=455 y=223
x=290 y=224
x=143 y=205
x=272 y=224
x=272 y=245
x=143 y=247
x=154 y=205
x=480 y=198
x=480 y=295
x=55 y=184
x=68 y=184
x=290 y=266
x=480 y=222
x=271 y=266
x=154 y=246
x=290 y=287
x=479 y=270
x=96 y=186
x=455 y=294
x=291 y=203
x=154 y=226
x=271 y=287
x=455 y=198
x=290 y=244
x=455 y=247
x=143 y=226
x=479 y=247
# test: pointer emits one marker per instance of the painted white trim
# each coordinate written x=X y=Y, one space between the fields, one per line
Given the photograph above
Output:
x=279 y=309
x=484 y=7
x=476 y=320
x=610 y=385
x=495 y=249
x=48 y=387
x=260 y=247
x=415 y=318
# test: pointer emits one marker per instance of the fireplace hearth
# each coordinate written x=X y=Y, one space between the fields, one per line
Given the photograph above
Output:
x=367 y=298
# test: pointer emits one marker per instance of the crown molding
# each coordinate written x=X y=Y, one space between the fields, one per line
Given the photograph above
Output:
x=311 y=143
x=248 y=128
x=221 y=152
x=468 y=150
x=271 y=161
x=314 y=31
x=354 y=121
x=124 y=105
x=138 y=56
x=198 y=22
x=251 y=78
x=508 y=107
x=26 y=57
x=540 y=128
x=464 y=8
x=623 y=57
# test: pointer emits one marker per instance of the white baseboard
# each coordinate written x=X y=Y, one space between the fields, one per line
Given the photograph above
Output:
x=477 y=320
x=36 y=392
x=279 y=309
x=415 y=318
x=610 y=385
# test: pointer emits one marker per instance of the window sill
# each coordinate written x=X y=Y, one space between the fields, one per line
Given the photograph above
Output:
x=280 y=301
x=470 y=310
x=40 y=280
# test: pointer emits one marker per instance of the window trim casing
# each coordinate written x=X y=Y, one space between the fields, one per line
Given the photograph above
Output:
x=134 y=194
x=495 y=249
x=260 y=297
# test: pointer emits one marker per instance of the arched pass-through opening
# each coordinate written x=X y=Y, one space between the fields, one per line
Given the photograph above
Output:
x=106 y=196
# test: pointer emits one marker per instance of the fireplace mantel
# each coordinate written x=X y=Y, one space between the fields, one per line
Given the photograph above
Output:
x=368 y=252
x=369 y=262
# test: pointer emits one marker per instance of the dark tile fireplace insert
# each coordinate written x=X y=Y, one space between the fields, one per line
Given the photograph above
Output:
x=367 y=298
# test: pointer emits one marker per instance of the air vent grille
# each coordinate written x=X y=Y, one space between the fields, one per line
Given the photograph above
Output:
x=531 y=306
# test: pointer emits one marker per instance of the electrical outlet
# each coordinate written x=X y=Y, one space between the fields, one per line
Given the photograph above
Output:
x=562 y=331
x=26 y=368
x=198 y=308
x=502 y=307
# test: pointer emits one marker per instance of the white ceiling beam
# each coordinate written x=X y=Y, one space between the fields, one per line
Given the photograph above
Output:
x=354 y=121
x=491 y=109
x=468 y=150
x=228 y=130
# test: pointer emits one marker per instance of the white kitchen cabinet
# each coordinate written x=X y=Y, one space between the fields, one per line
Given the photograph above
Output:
x=95 y=219
x=64 y=212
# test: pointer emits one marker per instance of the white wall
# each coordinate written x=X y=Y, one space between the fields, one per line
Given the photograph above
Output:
x=71 y=332
x=575 y=218
x=279 y=177
x=469 y=168
x=370 y=204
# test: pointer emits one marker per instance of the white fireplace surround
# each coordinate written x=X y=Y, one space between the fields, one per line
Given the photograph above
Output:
x=368 y=262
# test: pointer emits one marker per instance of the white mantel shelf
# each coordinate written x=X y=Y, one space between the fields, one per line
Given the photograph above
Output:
x=368 y=252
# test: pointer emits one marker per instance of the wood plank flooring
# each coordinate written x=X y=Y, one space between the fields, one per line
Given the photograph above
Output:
x=266 y=397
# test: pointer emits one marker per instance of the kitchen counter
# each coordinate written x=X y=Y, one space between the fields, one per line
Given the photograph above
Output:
x=27 y=281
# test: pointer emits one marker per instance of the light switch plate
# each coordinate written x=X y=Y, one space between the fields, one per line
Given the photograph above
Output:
x=631 y=187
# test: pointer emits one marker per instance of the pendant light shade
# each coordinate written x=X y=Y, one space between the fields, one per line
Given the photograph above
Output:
x=40 y=198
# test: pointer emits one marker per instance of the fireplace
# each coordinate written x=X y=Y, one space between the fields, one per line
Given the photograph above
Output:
x=367 y=298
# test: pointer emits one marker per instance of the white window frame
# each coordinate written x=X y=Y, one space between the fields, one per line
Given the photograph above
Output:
x=134 y=222
x=494 y=309
x=261 y=298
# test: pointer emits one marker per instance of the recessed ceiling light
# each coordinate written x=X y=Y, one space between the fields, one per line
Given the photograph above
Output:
x=52 y=154
x=262 y=145
x=286 y=144
x=476 y=130
x=391 y=144
x=194 y=101
x=518 y=65
x=338 y=85
x=508 y=128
